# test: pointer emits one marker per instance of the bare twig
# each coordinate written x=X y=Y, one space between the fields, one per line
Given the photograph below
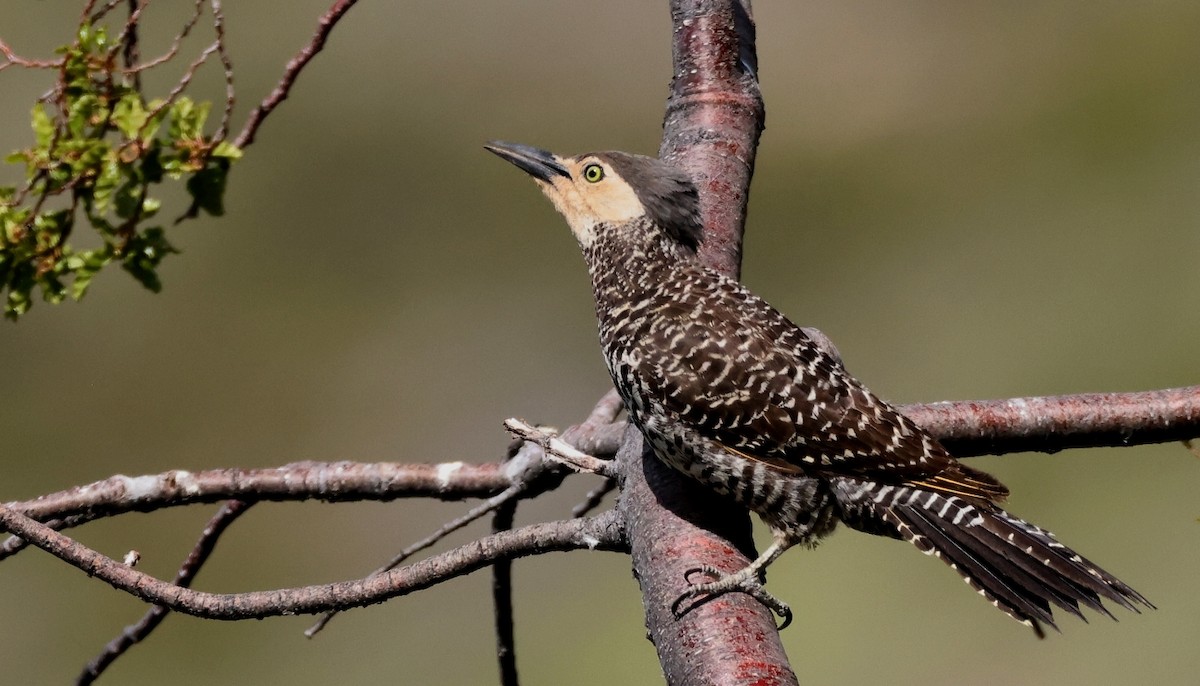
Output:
x=528 y=475
x=489 y=505
x=131 y=53
x=15 y=544
x=594 y=497
x=99 y=14
x=279 y=94
x=135 y=633
x=328 y=481
x=13 y=59
x=502 y=602
x=558 y=449
x=197 y=8
x=181 y=85
x=602 y=532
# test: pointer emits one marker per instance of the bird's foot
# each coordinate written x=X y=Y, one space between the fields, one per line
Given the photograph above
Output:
x=747 y=581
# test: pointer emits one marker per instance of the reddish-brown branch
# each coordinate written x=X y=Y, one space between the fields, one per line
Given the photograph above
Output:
x=714 y=118
x=602 y=532
x=713 y=121
x=675 y=525
x=279 y=94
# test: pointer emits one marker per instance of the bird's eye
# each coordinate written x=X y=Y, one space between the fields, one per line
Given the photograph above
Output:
x=593 y=173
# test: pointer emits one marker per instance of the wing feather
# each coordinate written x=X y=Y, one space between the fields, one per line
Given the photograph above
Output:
x=741 y=374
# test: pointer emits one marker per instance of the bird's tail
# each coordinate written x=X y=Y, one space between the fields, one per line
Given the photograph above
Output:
x=1020 y=568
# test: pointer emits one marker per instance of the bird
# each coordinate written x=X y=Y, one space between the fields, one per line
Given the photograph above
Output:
x=730 y=392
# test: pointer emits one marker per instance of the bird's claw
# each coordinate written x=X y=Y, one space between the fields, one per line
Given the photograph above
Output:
x=724 y=583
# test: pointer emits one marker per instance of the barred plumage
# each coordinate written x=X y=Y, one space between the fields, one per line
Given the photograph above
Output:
x=730 y=392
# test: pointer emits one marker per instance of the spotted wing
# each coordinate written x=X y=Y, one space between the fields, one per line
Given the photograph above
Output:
x=741 y=374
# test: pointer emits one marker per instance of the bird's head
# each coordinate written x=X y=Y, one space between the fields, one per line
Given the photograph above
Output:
x=604 y=191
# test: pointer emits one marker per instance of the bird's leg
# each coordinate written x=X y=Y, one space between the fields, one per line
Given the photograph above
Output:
x=748 y=580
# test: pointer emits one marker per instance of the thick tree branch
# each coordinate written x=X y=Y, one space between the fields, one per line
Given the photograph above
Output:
x=713 y=121
x=602 y=532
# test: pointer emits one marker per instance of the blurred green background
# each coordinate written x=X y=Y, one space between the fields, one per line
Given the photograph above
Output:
x=973 y=201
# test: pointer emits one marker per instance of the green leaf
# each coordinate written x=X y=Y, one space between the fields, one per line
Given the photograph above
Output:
x=142 y=255
x=126 y=199
x=16 y=304
x=207 y=186
x=152 y=167
x=111 y=174
x=85 y=265
x=150 y=207
x=227 y=150
x=129 y=115
x=53 y=290
x=43 y=128
x=187 y=119
x=82 y=113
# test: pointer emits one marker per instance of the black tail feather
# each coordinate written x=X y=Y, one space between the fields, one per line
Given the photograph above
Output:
x=1020 y=568
x=978 y=568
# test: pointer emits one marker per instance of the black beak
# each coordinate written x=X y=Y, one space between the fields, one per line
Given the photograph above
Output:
x=536 y=162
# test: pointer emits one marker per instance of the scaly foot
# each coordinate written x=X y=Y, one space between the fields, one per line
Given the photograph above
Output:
x=747 y=581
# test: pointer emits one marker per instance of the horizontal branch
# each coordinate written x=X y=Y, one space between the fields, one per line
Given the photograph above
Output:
x=602 y=532
x=1053 y=423
x=328 y=481
x=988 y=427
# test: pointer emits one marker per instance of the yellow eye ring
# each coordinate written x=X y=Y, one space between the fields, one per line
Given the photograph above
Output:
x=593 y=173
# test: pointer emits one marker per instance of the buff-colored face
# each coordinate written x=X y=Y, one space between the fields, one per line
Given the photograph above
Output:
x=585 y=189
x=589 y=195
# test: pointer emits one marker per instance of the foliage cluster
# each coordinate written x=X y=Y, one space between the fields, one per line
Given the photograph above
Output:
x=99 y=147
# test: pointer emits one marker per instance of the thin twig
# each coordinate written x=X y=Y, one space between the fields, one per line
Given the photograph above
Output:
x=197 y=8
x=602 y=532
x=502 y=602
x=16 y=60
x=294 y=66
x=593 y=498
x=181 y=85
x=557 y=448
x=227 y=65
x=136 y=633
x=95 y=18
x=443 y=531
x=131 y=54
x=15 y=544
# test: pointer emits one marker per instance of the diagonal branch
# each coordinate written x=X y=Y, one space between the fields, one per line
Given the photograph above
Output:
x=324 y=26
x=136 y=633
